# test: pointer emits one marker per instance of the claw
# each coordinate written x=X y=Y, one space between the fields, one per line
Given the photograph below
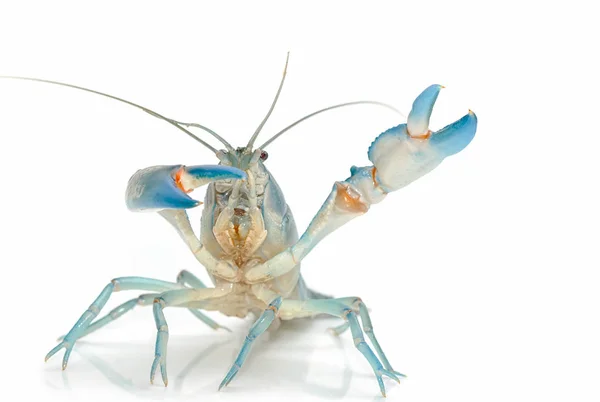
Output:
x=390 y=374
x=166 y=187
x=68 y=348
x=158 y=360
x=456 y=136
x=406 y=152
x=230 y=376
x=418 y=118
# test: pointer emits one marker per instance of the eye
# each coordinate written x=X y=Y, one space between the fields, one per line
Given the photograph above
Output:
x=263 y=155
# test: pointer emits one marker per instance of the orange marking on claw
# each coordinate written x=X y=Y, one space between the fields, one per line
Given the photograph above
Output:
x=421 y=136
x=178 y=181
x=346 y=201
x=374 y=177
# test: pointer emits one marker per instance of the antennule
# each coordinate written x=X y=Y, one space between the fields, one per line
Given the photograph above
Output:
x=253 y=138
x=208 y=130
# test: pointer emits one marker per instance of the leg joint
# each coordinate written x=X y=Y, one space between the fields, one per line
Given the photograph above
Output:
x=94 y=309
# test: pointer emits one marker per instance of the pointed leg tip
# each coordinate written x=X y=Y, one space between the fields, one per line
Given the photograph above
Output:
x=52 y=352
x=392 y=374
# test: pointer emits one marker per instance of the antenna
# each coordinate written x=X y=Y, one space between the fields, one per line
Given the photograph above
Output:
x=253 y=138
x=308 y=116
x=145 y=109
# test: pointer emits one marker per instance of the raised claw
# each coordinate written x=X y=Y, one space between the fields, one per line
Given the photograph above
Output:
x=418 y=119
x=406 y=152
x=68 y=348
x=166 y=187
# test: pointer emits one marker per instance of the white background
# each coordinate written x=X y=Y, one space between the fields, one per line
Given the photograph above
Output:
x=482 y=277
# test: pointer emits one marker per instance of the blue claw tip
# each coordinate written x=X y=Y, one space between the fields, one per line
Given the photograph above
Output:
x=216 y=172
x=155 y=187
x=456 y=136
x=418 y=118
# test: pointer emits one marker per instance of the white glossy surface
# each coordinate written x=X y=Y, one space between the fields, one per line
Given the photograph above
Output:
x=482 y=277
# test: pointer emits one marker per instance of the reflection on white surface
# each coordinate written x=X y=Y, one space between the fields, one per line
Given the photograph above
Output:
x=483 y=277
x=300 y=360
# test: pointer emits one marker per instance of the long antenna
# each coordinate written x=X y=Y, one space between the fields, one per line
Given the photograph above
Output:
x=273 y=138
x=253 y=138
x=145 y=109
